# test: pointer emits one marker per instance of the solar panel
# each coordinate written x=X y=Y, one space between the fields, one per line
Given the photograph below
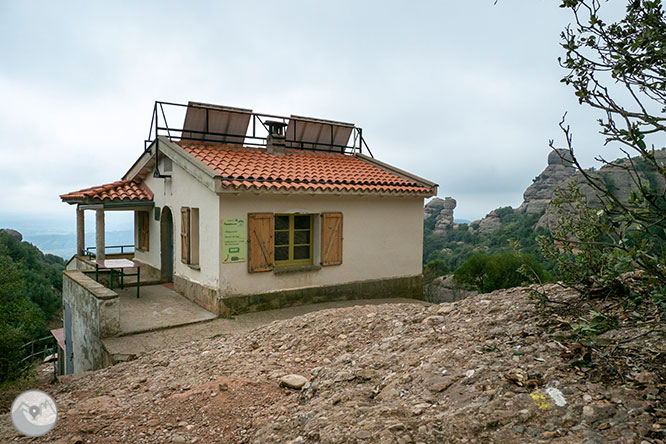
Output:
x=214 y=123
x=306 y=132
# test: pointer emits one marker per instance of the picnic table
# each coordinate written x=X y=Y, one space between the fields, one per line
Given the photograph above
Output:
x=119 y=264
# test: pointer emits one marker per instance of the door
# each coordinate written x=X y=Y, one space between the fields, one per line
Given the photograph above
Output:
x=69 y=348
x=166 y=241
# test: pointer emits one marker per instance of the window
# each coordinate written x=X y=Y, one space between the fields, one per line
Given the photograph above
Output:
x=189 y=235
x=285 y=240
x=293 y=239
x=142 y=230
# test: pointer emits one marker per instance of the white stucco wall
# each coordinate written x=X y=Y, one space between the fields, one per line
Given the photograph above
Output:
x=382 y=238
x=183 y=190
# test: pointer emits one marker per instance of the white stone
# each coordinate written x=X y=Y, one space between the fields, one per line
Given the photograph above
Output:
x=557 y=396
x=293 y=381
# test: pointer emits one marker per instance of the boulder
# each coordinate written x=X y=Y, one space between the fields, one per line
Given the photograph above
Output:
x=12 y=233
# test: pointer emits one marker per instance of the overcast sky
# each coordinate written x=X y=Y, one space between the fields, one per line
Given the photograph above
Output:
x=466 y=94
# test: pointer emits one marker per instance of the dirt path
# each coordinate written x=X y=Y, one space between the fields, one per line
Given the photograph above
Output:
x=139 y=344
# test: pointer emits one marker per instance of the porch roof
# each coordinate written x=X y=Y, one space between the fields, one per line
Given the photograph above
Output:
x=123 y=191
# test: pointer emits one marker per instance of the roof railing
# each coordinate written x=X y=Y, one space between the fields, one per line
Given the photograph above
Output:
x=329 y=135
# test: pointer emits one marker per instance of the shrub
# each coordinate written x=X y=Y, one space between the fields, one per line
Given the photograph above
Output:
x=486 y=273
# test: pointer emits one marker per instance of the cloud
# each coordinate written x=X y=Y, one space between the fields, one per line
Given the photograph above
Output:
x=465 y=95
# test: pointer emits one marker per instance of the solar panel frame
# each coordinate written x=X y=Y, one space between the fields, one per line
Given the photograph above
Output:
x=215 y=123
x=319 y=134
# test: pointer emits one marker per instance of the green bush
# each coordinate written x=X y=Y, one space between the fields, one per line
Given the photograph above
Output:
x=486 y=273
x=434 y=269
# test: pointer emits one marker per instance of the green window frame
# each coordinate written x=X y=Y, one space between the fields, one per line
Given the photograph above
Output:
x=293 y=239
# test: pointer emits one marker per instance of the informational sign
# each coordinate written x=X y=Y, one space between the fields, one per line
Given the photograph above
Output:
x=234 y=241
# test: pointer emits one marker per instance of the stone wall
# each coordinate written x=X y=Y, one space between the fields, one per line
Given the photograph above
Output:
x=95 y=315
x=410 y=287
x=200 y=294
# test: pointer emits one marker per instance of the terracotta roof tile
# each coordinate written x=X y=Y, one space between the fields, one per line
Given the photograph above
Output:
x=255 y=168
x=124 y=190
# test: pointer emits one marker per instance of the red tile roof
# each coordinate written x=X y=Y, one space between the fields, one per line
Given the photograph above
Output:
x=124 y=190
x=246 y=168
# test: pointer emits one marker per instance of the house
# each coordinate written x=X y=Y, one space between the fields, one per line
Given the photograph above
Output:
x=244 y=211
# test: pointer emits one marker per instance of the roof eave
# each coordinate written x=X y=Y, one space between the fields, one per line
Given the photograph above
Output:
x=110 y=204
x=398 y=172
x=254 y=190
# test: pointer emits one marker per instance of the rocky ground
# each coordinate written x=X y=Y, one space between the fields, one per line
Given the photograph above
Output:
x=490 y=368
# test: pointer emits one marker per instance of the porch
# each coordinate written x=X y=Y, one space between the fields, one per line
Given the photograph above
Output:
x=158 y=308
x=93 y=312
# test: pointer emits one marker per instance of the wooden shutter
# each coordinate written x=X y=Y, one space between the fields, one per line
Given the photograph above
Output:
x=260 y=239
x=185 y=235
x=331 y=239
x=144 y=233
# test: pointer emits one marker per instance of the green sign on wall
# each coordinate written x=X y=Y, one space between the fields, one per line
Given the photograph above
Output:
x=234 y=240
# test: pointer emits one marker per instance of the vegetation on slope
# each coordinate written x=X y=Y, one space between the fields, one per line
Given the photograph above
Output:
x=30 y=284
x=505 y=250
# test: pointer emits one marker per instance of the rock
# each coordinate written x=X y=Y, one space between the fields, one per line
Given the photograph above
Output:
x=445 y=309
x=13 y=233
x=438 y=383
x=433 y=320
x=445 y=289
x=517 y=375
x=293 y=381
x=559 y=171
x=557 y=396
x=442 y=209
x=489 y=223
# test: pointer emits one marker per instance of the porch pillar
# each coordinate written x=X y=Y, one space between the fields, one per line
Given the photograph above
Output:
x=99 y=234
x=80 y=232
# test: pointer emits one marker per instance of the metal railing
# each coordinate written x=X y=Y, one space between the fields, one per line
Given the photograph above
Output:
x=90 y=251
x=257 y=133
x=38 y=349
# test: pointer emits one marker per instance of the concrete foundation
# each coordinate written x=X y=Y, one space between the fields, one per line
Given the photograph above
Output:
x=205 y=297
x=410 y=287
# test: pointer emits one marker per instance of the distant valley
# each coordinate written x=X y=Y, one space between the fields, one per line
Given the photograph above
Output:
x=64 y=245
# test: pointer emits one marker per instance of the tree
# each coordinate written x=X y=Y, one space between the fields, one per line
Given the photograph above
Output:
x=619 y=68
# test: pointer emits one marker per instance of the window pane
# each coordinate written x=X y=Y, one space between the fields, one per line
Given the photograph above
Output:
x=281 y=222
x=301 y=222
x=281 y=253
x=281 y=238
x=302 y=252
x=302 y=237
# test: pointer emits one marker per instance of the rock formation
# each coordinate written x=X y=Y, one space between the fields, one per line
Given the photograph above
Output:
x=12 y=233
x=443 y=208
x=489 y=223
x=615 y=178
x=559 y=170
